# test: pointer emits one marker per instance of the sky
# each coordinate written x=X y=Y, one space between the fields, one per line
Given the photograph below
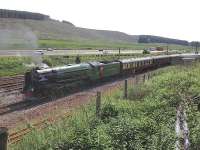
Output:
x=169 y=18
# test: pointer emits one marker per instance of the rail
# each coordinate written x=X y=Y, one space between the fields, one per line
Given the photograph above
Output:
x=18 y=135
x=11 y=84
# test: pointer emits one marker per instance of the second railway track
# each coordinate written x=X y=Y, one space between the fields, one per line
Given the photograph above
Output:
x=11 y=85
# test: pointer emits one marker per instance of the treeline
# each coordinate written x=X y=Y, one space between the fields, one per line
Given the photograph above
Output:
x=4 y=13
x=158 y=39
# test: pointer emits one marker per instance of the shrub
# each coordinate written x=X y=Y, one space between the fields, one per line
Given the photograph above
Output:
x=145 y=51
x=108 y=111
x=138 y=92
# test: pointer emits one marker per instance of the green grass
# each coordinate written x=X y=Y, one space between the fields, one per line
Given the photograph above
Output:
x=145 y=121
x=85 y=44
x=10 y=66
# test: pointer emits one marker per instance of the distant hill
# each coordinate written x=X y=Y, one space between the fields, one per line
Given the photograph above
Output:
x=158 y=39
x=19 y=31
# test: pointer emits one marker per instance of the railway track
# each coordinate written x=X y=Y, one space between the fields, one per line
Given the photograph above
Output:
x=18 y=135
x=11 y=85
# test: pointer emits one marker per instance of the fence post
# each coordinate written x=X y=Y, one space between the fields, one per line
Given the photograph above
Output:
x=3 y=138
x=198 y=107
x=98 y=104
x=136 y=79
x=144 y=78
x=126 y=89
x=148 y=76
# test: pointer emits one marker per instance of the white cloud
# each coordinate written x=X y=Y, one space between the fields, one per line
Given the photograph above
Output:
x=171 y=18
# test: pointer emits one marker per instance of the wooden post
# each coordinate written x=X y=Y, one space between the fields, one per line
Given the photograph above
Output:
x=148 y=76
x=144 y=76
x=126 y=89
x=3 y=138
x=136 y=79
x=98 y=104
x=198 y=107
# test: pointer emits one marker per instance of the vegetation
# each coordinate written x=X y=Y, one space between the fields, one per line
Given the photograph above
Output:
x=10 y=66
x=146 y=52
x=85 y=44
x=157 y=39
x=145 y=121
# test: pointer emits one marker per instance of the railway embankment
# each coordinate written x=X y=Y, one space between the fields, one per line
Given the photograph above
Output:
x=147 y=118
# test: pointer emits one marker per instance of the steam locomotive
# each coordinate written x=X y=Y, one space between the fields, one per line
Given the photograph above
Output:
x=53 y=80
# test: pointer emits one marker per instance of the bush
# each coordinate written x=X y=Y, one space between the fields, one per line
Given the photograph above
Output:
x=108 y=111
x=138 y=92
x=146 y=51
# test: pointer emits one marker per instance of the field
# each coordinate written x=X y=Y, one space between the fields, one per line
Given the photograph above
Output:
x=86 y=44
x=146 y=120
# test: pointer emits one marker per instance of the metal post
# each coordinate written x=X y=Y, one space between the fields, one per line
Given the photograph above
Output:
x=3 y=138
x=98 y=104
x=126 y=89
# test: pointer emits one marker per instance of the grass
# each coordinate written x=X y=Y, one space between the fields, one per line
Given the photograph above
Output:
x=86 y=44
x=10 y=66
x=145 y=121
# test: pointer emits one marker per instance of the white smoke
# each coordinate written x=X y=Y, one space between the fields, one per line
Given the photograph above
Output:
x=15 y=35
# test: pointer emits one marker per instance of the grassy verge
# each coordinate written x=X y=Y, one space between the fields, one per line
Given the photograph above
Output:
x=145 y=121
x=84 y=44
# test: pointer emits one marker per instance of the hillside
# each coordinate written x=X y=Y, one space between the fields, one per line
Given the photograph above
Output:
x=158 y=39
x=25 y=30
x=26 y=33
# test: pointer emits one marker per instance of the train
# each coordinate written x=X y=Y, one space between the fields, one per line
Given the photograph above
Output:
x=40 y=82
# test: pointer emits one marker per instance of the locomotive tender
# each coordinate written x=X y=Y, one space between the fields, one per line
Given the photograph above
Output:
x=52 y=80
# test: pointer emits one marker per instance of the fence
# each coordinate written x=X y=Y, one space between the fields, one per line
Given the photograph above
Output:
x=138 y=79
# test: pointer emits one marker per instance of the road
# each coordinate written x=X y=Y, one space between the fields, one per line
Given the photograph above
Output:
x=65 y=52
